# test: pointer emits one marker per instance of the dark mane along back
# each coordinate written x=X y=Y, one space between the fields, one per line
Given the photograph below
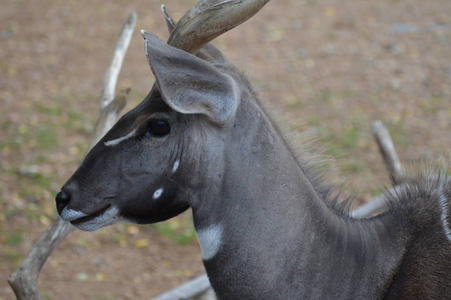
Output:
x=422 y=209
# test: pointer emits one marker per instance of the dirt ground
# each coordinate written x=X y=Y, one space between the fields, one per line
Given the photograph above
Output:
x=328 y=68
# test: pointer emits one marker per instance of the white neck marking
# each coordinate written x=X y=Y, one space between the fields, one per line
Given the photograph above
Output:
x=210 y=240
x=444 y=216
x=120 y=140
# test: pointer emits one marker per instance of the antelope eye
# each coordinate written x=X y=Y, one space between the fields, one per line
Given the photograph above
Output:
x=158 y=128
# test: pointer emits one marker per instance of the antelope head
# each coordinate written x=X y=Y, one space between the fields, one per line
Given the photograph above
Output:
x=158 y=157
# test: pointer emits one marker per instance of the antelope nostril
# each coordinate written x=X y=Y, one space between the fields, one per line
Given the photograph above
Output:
x=62 y=199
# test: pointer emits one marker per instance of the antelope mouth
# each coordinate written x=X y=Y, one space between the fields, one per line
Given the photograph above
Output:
x=97 y=213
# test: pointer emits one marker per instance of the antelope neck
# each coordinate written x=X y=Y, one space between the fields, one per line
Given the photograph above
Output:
x=271 y=215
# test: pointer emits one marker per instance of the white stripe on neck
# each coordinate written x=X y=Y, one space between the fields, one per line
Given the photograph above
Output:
x=210 y=240
x=444 y=216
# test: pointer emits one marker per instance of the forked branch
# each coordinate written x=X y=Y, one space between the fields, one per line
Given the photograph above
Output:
x=24 y=281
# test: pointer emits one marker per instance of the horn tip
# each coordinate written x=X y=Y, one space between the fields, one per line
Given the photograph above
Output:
x=144 y=33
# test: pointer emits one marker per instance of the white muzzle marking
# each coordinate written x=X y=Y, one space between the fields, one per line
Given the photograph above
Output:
x=69 y=214
x=110 y=216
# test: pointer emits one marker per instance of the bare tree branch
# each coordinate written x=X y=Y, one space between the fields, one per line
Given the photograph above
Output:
x=388 y=151
x=192 y=289
x=108 y=117
x=391 y=159
x=107 y=120
x=24 y=281
x=373 y=207
x=112 y=73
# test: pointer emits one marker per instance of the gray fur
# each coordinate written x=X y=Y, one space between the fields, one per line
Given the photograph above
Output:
x=281 y=238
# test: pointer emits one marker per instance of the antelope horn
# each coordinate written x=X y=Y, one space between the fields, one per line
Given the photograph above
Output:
x=208 y=19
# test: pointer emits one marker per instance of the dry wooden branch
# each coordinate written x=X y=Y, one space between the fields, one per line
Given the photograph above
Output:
x=108 y=117
x=108 y=114
x=388 y=151
x=24 y=281
x=371 y=208
x=193 y=289
x=391 y=159
x=112 y=73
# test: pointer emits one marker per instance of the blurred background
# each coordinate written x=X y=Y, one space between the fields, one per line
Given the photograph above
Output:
x=327 y=68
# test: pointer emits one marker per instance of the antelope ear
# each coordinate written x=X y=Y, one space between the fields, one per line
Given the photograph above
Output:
x=189 y=84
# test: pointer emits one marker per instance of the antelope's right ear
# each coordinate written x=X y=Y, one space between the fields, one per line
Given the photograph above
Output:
x=189 y=84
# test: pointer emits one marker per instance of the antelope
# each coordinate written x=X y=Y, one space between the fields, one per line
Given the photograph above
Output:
x=267 y=229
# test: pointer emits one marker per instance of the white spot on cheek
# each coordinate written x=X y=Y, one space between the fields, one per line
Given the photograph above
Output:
x=209 y=240
x=176 y=166
x=157 y=193
x=120 y=140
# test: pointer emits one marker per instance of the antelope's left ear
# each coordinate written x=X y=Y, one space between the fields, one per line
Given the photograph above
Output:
x=189 y=84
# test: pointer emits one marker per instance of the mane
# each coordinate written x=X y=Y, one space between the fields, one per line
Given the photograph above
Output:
x=310 y=157
x=426 y=183
x=410 y=196
x=312 y=161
